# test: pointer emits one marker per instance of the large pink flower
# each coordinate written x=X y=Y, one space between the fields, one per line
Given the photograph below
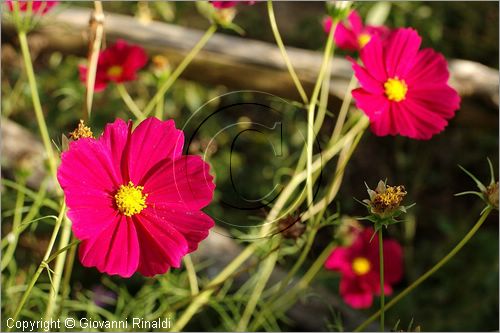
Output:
x=40 y=7
x=134 y=200
x=404 y=90
x=359 y=267
x=117 y=63
x=355 y=35
x=229 y=4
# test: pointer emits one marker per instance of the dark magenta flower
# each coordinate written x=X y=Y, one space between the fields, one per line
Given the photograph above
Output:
x=39 y=7
x=118 y=63
x=229 y=4
x=359 y=267
x=134 y=200
x=355 y=35
x=404 y=90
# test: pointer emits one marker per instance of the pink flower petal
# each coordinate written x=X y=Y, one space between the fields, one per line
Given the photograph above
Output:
x=368 y=82
x=88 y=164
x=182 y=184
x=355 y=22
x=356 y=294
x=393 y=262
x=162 y=246
x=345 y=38
x=115 y=251
x=339 y=260
x=115 y=136
x=372 y=57
x=401 y=54
x=430 y=67
x=151 y=142
x=193 y=225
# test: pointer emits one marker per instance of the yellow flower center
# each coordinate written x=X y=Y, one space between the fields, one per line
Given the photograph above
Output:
x=130 y=200
x=395 y=89
x=115 y=71
x=361 y=266
x=363 y=39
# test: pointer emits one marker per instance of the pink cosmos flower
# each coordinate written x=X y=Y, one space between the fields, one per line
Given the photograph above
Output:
x=229 y=4
x=134 y=200
x=39 y=7
x=359 y=267
x=404 y=90
x=117 y=63
x=354 y=36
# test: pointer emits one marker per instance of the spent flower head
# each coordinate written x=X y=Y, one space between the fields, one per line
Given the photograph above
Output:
x=384 y=204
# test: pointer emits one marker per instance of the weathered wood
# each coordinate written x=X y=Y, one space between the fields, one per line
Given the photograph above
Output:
x=239 y=63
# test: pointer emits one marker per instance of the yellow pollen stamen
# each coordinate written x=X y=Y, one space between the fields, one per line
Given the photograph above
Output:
x=130 y=200
x=81 y=131
x=390 y=199
x=363 y=39
x=361 y=266
x=115 y=71
x=395 y=89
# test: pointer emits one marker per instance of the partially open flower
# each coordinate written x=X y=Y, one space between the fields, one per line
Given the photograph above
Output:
x=488 y=193
x=492 y=194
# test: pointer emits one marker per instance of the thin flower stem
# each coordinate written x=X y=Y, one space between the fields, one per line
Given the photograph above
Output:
x=281 y=46
x=203 y=297
x=191 y=273
x=16 y=222
x=382 y=289
x=97 y=33
x=264 y=275
x=343 y=110
x=431 y=271
x=58 y=270
x=310 y=113
x=282 y=304
x=303 y=255
x=130 y=102
x=42 y=265
x=68 y=269
x=178 y=71
x=37 y=106
x=159 y=108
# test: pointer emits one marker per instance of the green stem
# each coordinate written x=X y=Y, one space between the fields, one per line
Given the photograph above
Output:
x=37 y=106
x=8 y=254
x=68 y=269
x=343 y=110
x=284 y=303
x=129 y=102
x=42 y=265
x=58 y=270
x=310 y=113
x=431 y=271
x=191 y=273
x=178 y=71
x=281 y=46
x=263 y=277
x=382 y=291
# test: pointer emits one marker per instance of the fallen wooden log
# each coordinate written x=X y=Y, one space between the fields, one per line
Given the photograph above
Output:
x=236 y=62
